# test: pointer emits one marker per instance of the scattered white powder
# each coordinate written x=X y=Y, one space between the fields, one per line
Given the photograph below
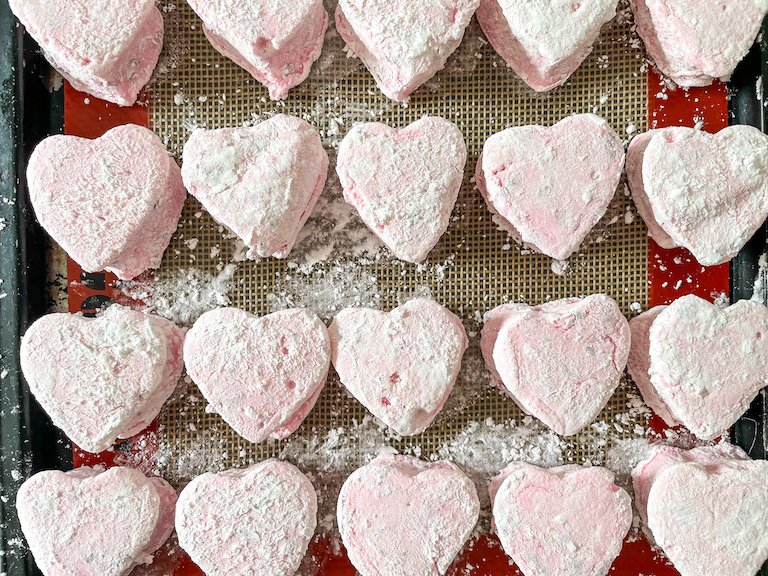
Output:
x=760 y=289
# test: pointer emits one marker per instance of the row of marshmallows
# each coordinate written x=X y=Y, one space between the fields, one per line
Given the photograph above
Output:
x=111 y=52
x=107 y=377
x=707 y=508
x=113 y=203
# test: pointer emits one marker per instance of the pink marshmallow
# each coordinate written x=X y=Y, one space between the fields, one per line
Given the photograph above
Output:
x=261 y=182
x=403 y=44
x=276 y=42
x=399 y=515
x=569 y=520
x=696 y=42
x=548 y=187
x=401 y=365
x=544 y=41
x=404 y=183
x=560 y=361
x=670 y=174
x=261 y=375
x=105 y=377
x=108 y=50
x=95 y=523
x=252 y=522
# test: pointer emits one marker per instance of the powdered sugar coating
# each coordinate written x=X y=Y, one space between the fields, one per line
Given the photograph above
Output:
x=560 y=361
x=102 y=378
x=544 y=41
x=252 y=522
x=711 y=518
x=675 y=191
x=262 y=182
x=564 y=520
x=94 y=523
x=550 y=186
x=709 y=363
x=404 y=183
x=107 y=48
x=696 y=42
x=401 y=365
x=401 y=516
x=111 y=203
x=262 y=375
x=403 y=44
x=276 y=41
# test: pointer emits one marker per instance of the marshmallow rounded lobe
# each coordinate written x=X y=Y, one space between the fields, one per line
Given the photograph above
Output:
x=543 y=41
x=109 y=51
x=403 y=44
x=261 y=182
x=261 y=375
x=256 y=521
x=400 y=365
x=548 y=187
x=433 y=503
x=102 y=378
x=563 y=520
x=94 y=522
x=111 y=203
x=404 y=183
x=275 y=42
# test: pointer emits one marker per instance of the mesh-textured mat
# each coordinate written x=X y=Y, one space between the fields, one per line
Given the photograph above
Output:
x=474 y=268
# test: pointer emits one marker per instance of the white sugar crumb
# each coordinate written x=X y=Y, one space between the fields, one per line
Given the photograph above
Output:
x=760 y=287
x=559 y=267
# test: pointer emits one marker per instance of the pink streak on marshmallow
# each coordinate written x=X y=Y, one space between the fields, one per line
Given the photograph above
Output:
x=404 y=183
x=710 y=514
x=111 y=203
x=95 y=523
x=252 y=522
x=399 y=515
x=105 y=377
x=708 y=363
x=670 y=172
x=639 y=362
x=261 y=375
x=401 y=365
x=261 y=182
x=276 y=42
x=544 y=41
x=560 y=361
x=403 y=44
x=569 y=520
x=107 y=49
x=696 y=42
x=548 y=187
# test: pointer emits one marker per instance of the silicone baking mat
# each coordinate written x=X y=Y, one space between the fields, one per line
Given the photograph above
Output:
x=337 y=262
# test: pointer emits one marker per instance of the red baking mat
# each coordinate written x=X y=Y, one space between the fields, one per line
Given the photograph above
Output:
x=671 y=274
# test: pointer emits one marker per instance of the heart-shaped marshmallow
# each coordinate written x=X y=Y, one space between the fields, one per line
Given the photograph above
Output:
x=710 y=514
x=108 y=50
x=276 y=42
x=403 y=44
x=694 y=42
x=401 y=365
x=544 y=41
x=399 y=515
x=560 y=361
x=94 y=523
x=565 y=520
x=670 y=174
x=261 y=182
x=252 y=522
x=105 y=377
x=111 y=203
x=261 y=375
x=404 y=183
x=548 y=187
x=706 y=364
